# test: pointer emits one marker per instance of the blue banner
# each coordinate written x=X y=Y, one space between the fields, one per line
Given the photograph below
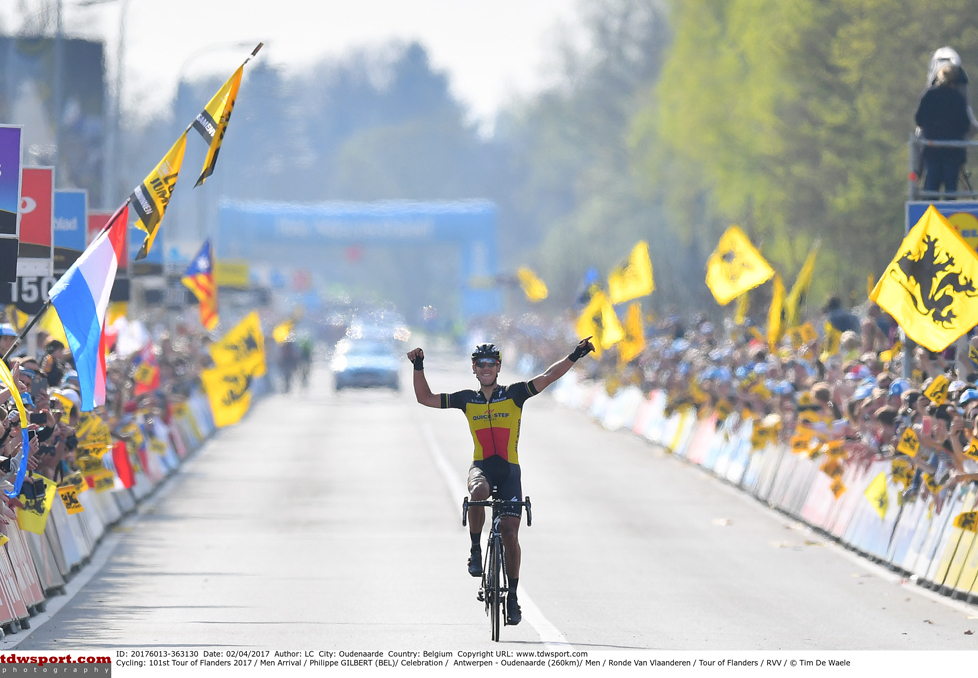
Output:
x=9 y=179
x=273 y=233
x=9 y=201
x=70 y=218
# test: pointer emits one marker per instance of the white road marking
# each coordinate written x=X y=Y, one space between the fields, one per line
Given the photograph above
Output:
x=551 y=636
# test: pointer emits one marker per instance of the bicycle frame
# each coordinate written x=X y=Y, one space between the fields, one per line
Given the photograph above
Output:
x=495 y=582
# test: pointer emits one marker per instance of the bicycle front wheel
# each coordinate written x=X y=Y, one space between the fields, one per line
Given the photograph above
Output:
x=495 y=587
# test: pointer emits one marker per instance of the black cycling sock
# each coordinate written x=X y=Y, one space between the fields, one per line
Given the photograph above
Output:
x=513 y=582
x=475 y=537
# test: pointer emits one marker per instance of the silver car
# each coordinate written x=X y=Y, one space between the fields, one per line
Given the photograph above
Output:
x=364 y=362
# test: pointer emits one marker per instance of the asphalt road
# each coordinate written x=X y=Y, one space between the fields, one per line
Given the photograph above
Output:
x=328 y=520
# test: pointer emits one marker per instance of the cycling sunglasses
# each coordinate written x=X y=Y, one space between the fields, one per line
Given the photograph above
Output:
x=486 y=362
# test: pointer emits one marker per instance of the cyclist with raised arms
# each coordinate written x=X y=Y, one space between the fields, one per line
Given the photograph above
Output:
x=493 y=413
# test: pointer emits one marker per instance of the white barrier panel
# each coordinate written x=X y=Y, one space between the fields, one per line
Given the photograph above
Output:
x=912 y=536
x=32 y=566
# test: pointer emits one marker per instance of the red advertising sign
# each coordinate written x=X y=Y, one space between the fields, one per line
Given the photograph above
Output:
x=35 y=255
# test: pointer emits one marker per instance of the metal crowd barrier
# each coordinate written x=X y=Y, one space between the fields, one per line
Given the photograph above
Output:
x=913 y=538
x=34 y=567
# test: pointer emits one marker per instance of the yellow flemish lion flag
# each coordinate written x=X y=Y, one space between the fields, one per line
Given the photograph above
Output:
x=634 y=342
x=598 y=320
x=213 y=121
x=633 y=278
x=151 y=197
x=69 y=497
x=243 y=345
x=735 y=267
x=533 y=287
x=775 y=315
x=877 y=495
x=936 y=392
x=228 y=388
x=34 y=516
x=929 y=287
x=909 y=443
x=967 y=521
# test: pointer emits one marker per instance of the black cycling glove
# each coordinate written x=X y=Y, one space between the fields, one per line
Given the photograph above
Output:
x=580 y=351
x=419 y=363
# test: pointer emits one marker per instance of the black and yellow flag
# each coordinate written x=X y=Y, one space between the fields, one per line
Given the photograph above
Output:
x=967 y=521
x=33 y=517
x=151 y=197
x=17 y=318
x=877 y=495
x=832 y=467
x=929 y=287
x=838 y=487
x=598 y=320
x=833 y=339
x=909 y=443
x=228 y=389
x=633 y=278
x=902 y=471
x=534 y=288
x=69 y=497
x=775 y=315
x=634 y=341
x=936 y=391
x=213 y=121
x=799 y=291
x=243 y=346
x=971 y=451
x=735 y=267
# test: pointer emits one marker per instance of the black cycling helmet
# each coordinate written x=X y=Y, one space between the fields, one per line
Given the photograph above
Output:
x=486 y=351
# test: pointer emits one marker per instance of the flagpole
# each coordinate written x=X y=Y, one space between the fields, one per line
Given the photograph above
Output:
x=27 y=329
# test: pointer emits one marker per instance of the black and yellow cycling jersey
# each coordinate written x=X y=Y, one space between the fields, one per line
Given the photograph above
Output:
x=495 y=425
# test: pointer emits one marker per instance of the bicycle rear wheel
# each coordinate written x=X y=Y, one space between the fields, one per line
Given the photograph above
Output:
x=494 y=593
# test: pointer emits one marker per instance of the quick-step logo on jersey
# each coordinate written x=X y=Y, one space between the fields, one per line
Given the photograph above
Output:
x=495 y=426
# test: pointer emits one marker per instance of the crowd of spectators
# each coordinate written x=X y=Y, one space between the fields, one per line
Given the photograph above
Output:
x=142 y=385
x=833 y=388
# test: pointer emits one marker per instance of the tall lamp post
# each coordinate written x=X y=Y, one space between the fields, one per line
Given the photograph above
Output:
x=112 y=167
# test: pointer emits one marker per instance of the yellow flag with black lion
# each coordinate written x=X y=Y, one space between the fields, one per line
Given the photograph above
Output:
x=929 y=287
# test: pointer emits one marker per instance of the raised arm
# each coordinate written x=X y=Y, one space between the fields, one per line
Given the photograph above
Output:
x=561 y=367
x=421 y=389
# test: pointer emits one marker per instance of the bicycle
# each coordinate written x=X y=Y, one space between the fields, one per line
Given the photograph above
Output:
x=494 y=587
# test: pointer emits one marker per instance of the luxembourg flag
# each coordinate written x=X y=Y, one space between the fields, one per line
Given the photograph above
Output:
x=81 y=298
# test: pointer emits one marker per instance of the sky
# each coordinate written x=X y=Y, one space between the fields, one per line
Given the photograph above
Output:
x=493 y=50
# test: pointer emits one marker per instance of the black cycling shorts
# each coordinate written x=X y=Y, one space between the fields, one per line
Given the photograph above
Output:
x=502 y=475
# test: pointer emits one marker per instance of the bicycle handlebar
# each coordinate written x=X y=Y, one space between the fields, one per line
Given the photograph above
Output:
x=496 y=503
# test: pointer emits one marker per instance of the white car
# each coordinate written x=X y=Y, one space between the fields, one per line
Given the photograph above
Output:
x=363 y=362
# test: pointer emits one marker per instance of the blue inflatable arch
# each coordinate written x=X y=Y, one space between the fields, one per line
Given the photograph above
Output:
x=273 y=232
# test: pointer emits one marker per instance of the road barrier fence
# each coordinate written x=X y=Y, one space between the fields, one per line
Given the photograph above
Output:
x=915 y=537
